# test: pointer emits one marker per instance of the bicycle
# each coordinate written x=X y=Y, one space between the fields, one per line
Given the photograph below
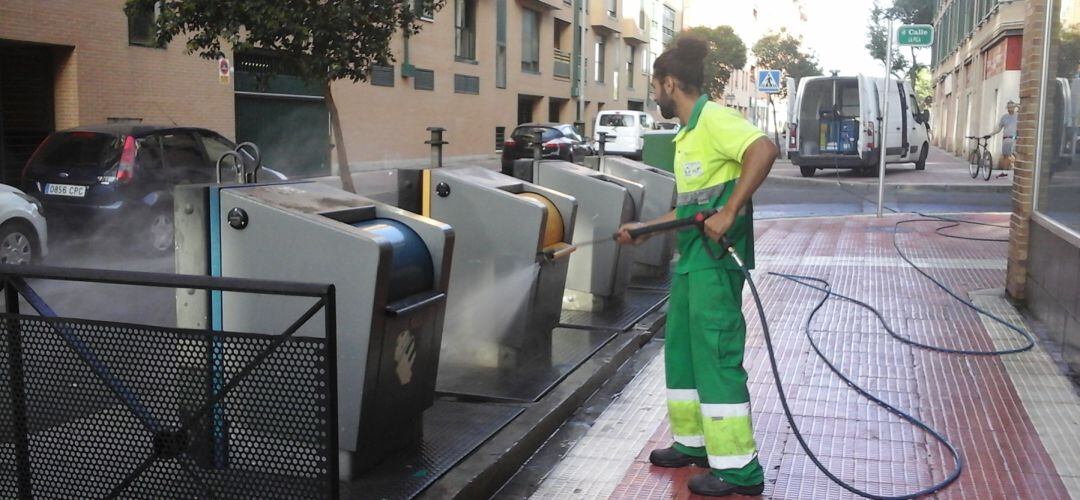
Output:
x=980 y=158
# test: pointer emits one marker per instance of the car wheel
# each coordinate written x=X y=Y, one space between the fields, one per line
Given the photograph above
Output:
x=161 y=231
x=18 y=244
x=807 y=171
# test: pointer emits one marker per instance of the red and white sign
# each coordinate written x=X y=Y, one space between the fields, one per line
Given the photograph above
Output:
x=224 y=70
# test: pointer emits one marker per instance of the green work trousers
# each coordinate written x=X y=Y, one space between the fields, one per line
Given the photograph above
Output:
x=708 y=402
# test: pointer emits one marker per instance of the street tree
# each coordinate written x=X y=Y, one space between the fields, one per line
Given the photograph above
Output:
x=320 y=41
x=902 y=12
x=779 y=50
x=727 y=53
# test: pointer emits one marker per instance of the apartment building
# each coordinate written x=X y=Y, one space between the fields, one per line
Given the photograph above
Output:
x=976 y=65
x=478 y=68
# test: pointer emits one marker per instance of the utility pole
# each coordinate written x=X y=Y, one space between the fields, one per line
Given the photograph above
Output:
x=578 y=84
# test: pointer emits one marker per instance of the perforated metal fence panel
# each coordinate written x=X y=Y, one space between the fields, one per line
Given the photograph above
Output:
x=119 y=410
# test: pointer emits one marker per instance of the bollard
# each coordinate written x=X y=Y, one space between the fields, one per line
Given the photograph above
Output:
x=538 y=148
x=603 y=146
x=437 y=144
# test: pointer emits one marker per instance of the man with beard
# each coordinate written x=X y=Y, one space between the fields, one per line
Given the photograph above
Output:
x=720 y=160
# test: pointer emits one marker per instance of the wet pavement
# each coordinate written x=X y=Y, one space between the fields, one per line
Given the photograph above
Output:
x=1015 y=418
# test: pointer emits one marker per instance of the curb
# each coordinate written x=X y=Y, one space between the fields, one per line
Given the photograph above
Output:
x=484 y=472
x=904 y=187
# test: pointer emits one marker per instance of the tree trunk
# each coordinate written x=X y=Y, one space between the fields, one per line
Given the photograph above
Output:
x=776 y=125
x=339 y=142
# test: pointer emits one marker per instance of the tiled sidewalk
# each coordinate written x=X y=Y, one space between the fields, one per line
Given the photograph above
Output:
x=1015 y=419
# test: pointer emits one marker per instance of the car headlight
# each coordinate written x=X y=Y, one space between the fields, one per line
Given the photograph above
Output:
x=33 y=201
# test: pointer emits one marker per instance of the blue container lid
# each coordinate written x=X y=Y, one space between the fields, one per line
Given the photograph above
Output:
x=413 y=270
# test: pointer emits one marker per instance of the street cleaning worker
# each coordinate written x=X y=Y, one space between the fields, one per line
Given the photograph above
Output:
x=720 y=160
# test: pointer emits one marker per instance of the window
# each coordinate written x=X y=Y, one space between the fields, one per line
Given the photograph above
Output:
x=465 y=84
x=141 y=27
x=215 y=147
x=425 y=9
x=465 y=29
x=382 y=76
x=612 y=7
x=530 y=41
x=149 y=156
x=424 y=79
x=669 y=24
x=598 y=58
x=181 y=150
x=1055 y=174
x=632 y=54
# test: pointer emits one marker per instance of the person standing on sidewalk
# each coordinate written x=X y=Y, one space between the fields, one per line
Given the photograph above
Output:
x=1008 y=125
x=720 y=161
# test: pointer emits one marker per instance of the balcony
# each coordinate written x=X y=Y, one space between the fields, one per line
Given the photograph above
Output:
x=564 y=65
x=600 y=18
x=632 y=33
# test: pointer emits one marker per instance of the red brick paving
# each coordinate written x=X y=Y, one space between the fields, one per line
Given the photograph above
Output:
x=971 y=400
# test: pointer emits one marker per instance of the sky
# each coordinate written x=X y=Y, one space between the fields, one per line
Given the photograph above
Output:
x=835 y=29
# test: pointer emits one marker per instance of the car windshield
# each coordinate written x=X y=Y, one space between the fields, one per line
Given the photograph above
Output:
x=527 y=133
x=77 y=150
x=616 y=120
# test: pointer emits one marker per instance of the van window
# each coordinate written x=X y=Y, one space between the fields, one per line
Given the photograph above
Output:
x=646 y=121
x=616 y=121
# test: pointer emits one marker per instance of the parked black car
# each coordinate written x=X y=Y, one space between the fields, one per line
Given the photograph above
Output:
x=560 y=141
x=123 y=173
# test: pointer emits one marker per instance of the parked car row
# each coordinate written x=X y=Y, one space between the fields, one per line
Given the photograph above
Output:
x=123 y=174
x=625 y=131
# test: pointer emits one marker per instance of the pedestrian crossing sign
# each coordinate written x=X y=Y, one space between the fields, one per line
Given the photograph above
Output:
x=768 y=81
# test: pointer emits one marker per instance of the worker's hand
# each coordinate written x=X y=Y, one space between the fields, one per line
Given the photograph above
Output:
x=717 y=225
x=623 y=236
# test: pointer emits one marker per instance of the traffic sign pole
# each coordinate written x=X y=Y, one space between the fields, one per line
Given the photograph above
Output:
x=883 y=130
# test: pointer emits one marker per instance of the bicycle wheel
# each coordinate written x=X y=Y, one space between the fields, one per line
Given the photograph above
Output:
x=973 y=164
x=988 y=164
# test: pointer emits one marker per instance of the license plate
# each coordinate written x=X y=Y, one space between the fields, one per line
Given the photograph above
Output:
x=65 y=190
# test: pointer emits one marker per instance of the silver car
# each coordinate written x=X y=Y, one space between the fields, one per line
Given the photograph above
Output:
x=23 y=236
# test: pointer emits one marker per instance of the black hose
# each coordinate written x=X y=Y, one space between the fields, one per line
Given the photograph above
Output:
x=957 y=459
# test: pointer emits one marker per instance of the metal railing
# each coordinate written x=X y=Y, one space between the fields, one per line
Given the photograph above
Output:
x=96 y=409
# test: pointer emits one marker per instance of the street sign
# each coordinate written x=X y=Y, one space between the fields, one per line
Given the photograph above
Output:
x=224 y=70
x=769 y=81
x=915 y=35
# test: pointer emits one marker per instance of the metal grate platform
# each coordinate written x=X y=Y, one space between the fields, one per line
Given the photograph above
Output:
x=530 y=379
x=452 y=430
x=635 y=305
x=662 y=282
x=111 y=409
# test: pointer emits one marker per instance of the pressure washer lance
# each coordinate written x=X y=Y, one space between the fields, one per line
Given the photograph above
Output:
x=696 y=220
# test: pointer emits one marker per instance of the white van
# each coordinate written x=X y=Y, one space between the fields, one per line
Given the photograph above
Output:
x=625 y=130
x=835 y=123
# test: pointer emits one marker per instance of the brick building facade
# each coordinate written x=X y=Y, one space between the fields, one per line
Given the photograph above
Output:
x=522 y=62
x=1044 y=248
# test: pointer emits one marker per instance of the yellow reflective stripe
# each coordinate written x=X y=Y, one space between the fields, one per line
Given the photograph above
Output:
x=685 y=418
x=730 y=461
x=731 y=436
x=725 y=410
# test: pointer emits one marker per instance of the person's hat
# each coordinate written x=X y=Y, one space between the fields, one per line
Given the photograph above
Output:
x=1013 y=103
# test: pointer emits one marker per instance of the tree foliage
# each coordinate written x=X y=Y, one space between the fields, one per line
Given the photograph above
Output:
x=780 y=50
x=727 y=53
x=902 y=12
x=1068 y=52
x=318 y=40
